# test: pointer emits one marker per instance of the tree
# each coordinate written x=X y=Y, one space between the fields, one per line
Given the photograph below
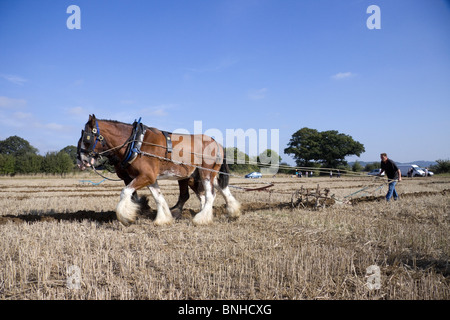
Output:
x=28 y=163
x=64 y=163
x=372 y=166
x=327 y=147
x=57 y=162
x=304 y=146
x=442 y=166
x=357 y=167
x=7 y=164
x=72 y=152
x=269 y=161
x=268 y=156
x=18 y=156
x=16 y=146
x=286 y=168
x=49 y=163
x=239 y=161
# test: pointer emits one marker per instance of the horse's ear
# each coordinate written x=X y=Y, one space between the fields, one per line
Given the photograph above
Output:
x=92 y=120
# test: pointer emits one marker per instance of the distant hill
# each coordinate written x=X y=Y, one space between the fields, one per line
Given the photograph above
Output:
x=423 y=163
x=420 y=163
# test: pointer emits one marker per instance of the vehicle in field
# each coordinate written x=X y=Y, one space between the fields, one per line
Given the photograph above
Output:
x=430 y=173
x=375 y=172
x=416 y=170
x=254 y=175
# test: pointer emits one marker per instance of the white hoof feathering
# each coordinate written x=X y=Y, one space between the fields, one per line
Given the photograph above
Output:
x=126 y=210
x=205 y=216
x=233 y=206
x=163 y=214
x=163 y=218
x=234 y=209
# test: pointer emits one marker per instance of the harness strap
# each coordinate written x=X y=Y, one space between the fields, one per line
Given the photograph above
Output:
x=168 y=137
x=135 y=143
x=96 y=132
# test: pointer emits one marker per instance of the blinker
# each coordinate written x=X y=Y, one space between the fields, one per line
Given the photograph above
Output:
x=90 y=140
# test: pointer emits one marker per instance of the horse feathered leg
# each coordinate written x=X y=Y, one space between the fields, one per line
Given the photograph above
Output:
x=205 y=216
x=197 y=186
x=221 y=184
x=163 y=214
x=232 y=205
x=127 y=209
x=177 y=209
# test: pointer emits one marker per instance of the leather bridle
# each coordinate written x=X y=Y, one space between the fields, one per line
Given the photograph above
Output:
x=90 y=139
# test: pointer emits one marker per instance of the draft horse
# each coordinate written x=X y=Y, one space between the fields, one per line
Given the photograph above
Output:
x=143 y=155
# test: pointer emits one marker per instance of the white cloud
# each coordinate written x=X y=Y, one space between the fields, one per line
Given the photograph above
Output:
x=132 y=112
x=28 y=121
x=157 y=111
x=257 y=94
x=342 y=75
x=14 y=79
x=77 y=111
x=53 y=126
x=6 y=102
x=216 y=66
x=22 y=115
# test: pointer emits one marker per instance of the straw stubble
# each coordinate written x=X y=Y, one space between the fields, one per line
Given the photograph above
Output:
x=271 y=252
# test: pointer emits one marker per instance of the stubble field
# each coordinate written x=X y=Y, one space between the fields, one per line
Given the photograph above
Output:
x=60 y=240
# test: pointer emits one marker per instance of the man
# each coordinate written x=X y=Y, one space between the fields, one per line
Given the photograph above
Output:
x=393 y=173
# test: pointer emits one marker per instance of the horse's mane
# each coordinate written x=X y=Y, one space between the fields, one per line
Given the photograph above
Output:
x=115 y=121
x=129 y=124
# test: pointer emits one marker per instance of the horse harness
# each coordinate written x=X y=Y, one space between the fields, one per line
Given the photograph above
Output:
x=137 y=138
x=133 y=143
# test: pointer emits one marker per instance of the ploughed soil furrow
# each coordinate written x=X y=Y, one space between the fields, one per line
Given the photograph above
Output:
x=403 y=195
x=109 y=216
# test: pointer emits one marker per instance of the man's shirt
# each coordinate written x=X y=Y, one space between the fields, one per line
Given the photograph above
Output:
x=390 y=168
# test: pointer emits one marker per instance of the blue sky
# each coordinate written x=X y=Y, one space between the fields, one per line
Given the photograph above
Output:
x=236 y=64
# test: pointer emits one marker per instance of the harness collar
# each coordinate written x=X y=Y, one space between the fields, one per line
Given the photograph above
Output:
x=167 y=135
x=134 y=143
x=136 y=140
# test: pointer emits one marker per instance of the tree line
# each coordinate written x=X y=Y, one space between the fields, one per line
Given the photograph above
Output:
x=309 y=147
x=17 y=156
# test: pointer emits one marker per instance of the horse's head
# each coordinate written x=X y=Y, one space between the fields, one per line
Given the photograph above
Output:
x=90 y=144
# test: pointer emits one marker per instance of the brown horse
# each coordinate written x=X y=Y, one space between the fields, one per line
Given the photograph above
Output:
x=144 y=156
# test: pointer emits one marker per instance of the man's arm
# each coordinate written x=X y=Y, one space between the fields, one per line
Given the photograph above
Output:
x=399 y=172
x=381 y=169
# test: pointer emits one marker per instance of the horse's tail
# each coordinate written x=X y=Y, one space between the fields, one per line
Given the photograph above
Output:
x=224 y=175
